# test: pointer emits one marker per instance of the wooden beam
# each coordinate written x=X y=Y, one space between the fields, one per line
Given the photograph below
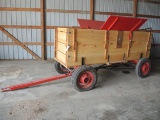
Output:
x=126 y=14
x=49 y=44
x=112 y=13
x=26 y=43
x=19 y=9
x=21 y=26
x=91 y=9
x=34 y=27
x=155 y=31
x=151 y=1
x=42 y=4
x=135 y=7
x=19 y=43
x=67 y=11
x=148 y=16
x=148 y=1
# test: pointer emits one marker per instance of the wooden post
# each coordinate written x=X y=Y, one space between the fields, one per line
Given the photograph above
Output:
x=135 y=7
x=91 y=9
x=42 y=4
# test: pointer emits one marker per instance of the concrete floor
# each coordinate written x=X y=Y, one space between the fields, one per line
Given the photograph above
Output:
x=117 y=96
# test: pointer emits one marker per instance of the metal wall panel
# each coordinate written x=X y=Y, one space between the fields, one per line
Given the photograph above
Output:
x=151 y=9
x=50 y=39
x=23 y=35
x=120 y=6
x=68 y=4
x=156 y=38
x=156 y=48
x=66 y=19
x=20 y=18
x=20 y=3
x=63 y=19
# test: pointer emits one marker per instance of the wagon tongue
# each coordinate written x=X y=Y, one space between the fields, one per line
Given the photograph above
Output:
x=33 y=83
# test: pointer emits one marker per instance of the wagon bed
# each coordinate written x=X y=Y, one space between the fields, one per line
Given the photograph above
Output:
x=76 y=47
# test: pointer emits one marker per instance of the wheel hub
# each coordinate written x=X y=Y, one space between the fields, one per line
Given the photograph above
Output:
x=86 y=79
x=145 y=68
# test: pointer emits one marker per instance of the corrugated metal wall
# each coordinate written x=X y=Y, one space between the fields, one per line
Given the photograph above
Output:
x=24 y=35
x=119 y=6
x=33 y=19
x=152 y=9
x=61 y=19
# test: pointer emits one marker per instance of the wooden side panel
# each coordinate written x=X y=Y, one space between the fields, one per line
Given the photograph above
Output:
x=62 y=35
x=60 y=45
x=115 y=53
x=99 y=46
x=119 y=39
x=90 y=46
x=140 y=45
x=61 y=57
x=71 y=51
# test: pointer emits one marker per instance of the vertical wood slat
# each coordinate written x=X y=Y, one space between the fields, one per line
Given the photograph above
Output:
x=42 y=5
x=148 y=43
x=91 y=9
x=55 y=42
x=75 y=45
x=106 y=44
x=135 y=7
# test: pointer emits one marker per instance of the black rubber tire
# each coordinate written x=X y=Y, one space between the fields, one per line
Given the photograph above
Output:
x=77 y=74
x=139 y=65
x=60 y=68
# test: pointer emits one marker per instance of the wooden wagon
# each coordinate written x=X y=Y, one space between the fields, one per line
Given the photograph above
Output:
x=107 y=44
x=76 y=50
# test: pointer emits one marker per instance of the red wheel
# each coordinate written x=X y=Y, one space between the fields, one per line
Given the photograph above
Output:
x=84 y=78
x=143 y=68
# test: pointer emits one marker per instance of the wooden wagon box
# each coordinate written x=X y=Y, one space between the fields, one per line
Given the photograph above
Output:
x=76 y=47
